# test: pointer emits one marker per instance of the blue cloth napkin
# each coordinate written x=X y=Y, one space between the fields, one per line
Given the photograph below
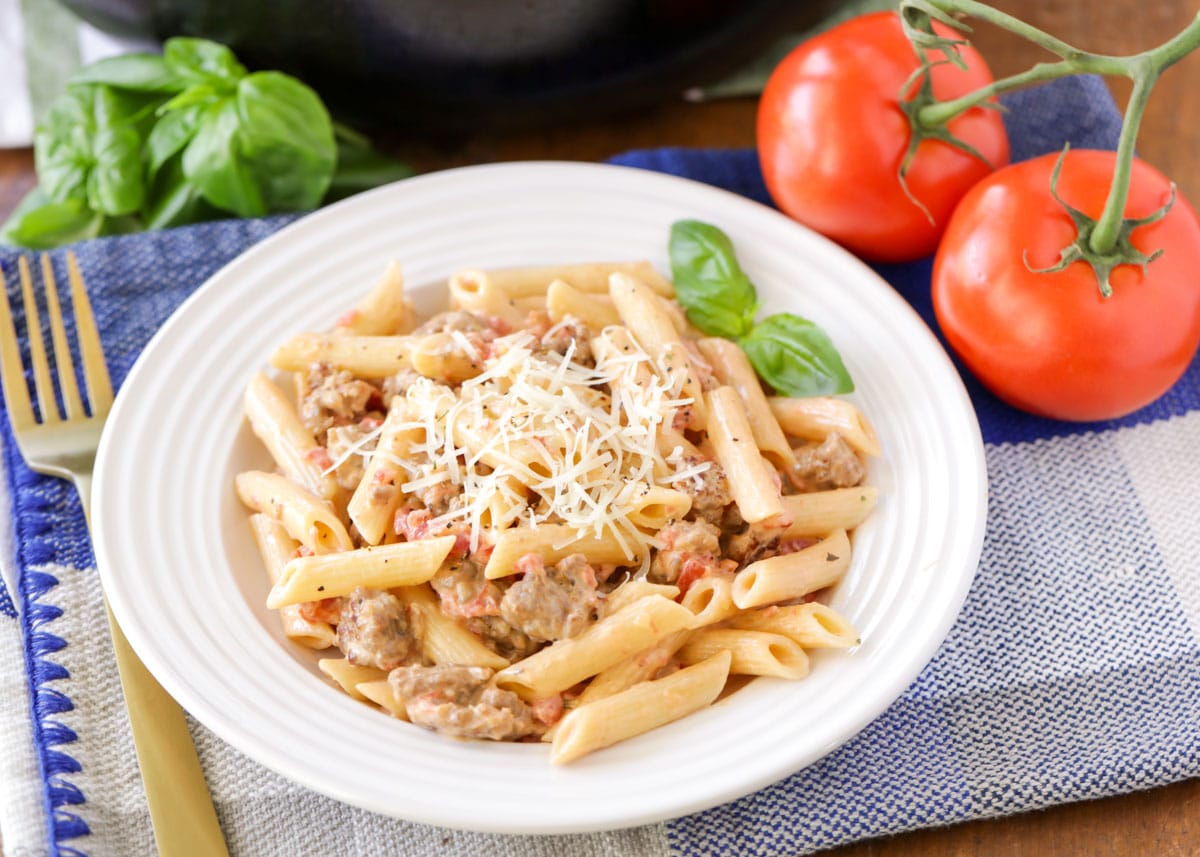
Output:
x=1073 y=671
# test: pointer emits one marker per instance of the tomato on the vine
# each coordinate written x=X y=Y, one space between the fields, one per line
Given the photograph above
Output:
x=832 y=136
x=1050 y=343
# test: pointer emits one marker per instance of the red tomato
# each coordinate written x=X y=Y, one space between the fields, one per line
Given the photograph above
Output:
x=1050 y=343
x=831 y=136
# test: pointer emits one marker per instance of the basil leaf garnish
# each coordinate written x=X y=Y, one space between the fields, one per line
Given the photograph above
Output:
x=796 y=357
x=790 y=353
x=710 y=284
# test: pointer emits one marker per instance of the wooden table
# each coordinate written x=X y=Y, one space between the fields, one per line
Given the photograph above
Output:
x=1164 y=822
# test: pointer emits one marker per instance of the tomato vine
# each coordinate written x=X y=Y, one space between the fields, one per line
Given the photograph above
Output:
x=1103 y=243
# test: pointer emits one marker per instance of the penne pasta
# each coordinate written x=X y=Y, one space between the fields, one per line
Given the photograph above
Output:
x=349 y=676
x=372 y=506
x=611 y=640
x=383 y=310
x=474 y=291
x=711 y=599
x=636 y=588
x=819 y=513
x=678 y=317
x=368 y=356
x=753 y=652
x=553 y=542
x=275 y=422
x=276 y=548
x=812 y=625
x=445 y=641
x=310 y=578
x=640 y=667
x=657 y=507
x=307 y=518
x=642 y=313
x=442 y=357
x=732 y=368
x=587 y=277
x=669 y=440
x=564 y=300
x=792 y=575
x=752 y=482
x=381 y=692
x=623 y=356
x=639 y=709
x=816 y=417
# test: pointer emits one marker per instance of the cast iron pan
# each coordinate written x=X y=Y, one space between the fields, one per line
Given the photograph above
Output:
x=464 y=64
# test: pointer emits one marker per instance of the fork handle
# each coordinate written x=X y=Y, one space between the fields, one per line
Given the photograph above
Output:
x=181 y=810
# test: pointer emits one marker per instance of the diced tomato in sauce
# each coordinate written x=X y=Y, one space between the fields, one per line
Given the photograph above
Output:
x=319 y=456
x=326 y=610
x=548 y=710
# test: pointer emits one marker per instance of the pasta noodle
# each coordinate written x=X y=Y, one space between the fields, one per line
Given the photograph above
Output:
x=754 y=490
x=815 y=418
x=639 y=709
x=306 y=517
x=383 y=310
x=753 y=652
x=793 y=575
x=812 y=625
x=587 y=277
x=614 y=638
x=309 y=578
x=276 y=547
x=554 y=512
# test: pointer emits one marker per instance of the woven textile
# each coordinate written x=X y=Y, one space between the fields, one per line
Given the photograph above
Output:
x=1073 y=671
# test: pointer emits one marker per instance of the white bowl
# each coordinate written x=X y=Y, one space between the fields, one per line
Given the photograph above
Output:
x=184 y=579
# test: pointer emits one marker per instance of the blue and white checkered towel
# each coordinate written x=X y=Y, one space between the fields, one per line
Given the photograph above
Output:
x=1073 y=671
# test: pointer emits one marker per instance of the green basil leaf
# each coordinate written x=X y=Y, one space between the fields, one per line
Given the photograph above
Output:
x=286 y=140
x=709 y=282
x=200 y=95
x=174 y=201
x=170 y=134
x=115 y=183
x=796 y=357
x=88 y=147
x=120 y=225
x=112 y=107
x=62 y=145
x=40 y=223
x=139 y=72
x=212 y=162
x=204 y=62
x=360 y=166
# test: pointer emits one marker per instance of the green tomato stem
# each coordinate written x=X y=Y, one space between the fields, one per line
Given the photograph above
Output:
x=983 y=12
x=1108 y=227
x=1143 y=69
x=941 y=112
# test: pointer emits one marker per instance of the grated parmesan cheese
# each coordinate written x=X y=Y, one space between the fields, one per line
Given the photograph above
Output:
x=537 y=437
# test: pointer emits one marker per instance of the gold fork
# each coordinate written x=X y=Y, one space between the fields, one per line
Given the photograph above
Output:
x=181 y=810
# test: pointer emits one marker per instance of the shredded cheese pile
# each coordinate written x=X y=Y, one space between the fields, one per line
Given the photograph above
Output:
x=537 y=437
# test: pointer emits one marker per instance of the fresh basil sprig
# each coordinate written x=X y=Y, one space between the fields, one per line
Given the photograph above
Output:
x=796 y=357
x=709 y=282
x=146 y=141
x=790 y=353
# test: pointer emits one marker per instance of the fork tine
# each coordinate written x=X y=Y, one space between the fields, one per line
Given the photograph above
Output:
x=91 y=352
x=12 y=372
x=67 y=384
x=37 y=349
